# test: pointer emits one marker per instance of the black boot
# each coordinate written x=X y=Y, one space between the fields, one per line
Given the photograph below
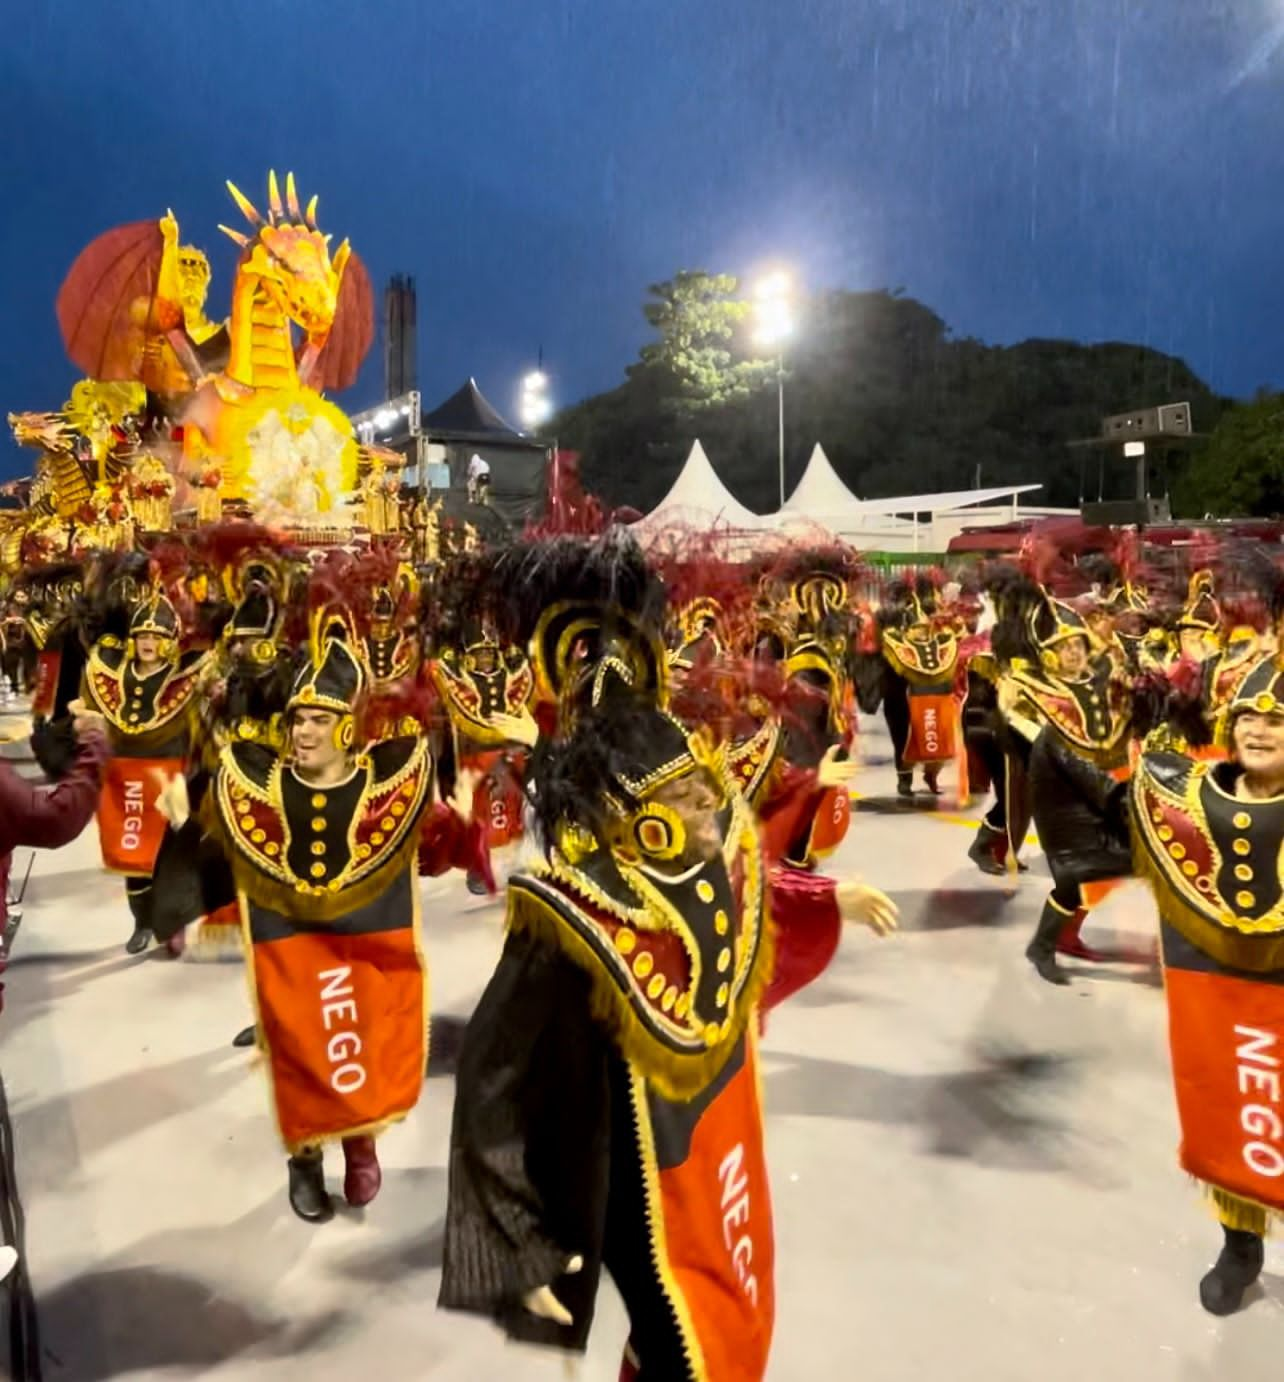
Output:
x=308 y=1196
x=905 y=784
x=1042 y=950
x=246 y=1037
x=986 y=850
x=932 y=776
x=1239 y=1264
x=139 y=941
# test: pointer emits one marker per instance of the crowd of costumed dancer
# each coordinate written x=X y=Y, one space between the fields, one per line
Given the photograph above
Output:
x=660 y=775
x=318 y=685
x=655 y=754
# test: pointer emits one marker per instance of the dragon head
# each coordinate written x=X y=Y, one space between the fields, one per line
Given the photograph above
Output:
x=291 y=258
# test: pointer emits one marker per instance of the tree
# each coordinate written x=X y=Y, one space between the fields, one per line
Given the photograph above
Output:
x=900 y=404
x=702 y=342
x=1241 y=471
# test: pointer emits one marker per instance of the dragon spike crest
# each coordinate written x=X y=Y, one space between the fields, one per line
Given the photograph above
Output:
x=248 y=209
x=242 y=240
x=279 y=212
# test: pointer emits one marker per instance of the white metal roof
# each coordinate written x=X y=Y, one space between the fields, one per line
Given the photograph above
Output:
x=943 y=501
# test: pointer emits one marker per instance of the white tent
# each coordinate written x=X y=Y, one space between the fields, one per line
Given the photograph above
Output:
x=699 y=500
x=820 y=496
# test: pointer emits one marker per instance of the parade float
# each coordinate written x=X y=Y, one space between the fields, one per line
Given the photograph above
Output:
x=183 y=421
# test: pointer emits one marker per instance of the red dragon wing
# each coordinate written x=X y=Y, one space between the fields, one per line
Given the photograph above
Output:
x=94 y=303
x=352 y=334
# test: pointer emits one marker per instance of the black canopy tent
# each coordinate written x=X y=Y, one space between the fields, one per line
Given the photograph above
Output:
x=466 y=424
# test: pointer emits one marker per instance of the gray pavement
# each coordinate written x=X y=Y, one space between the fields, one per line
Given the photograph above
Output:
x=947 y=1206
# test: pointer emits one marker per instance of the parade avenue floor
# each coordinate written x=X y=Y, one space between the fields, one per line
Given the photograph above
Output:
x=974 y=1174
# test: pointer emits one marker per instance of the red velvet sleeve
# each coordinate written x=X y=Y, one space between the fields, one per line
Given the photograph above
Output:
x=446 y=842
x=788 y=808
x=804 y=907
x=48 y=817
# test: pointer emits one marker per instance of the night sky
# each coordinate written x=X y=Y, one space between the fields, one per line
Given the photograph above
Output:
x=1096 y=169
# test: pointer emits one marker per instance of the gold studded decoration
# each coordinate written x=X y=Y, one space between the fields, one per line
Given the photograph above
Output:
x=625 y=941
x=704 y=890
x=643 y=964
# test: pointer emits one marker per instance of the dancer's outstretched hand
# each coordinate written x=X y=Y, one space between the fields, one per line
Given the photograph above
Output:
x=835 y=771
x=542 y=1302
x=172 y=800
x=460 y=800
x=860 y=903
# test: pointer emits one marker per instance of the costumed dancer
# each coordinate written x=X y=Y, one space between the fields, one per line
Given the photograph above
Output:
x=17 y=651
x=996 y=755
x=921 y=649
x=608 y=1104
x=487 y=688
x=143 y=688
x=1210 y=837
x=1076 y=712
x=323 y=839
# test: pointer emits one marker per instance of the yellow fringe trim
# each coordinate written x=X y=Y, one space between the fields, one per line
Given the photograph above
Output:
x=673 y=1076
x=1233 y=1211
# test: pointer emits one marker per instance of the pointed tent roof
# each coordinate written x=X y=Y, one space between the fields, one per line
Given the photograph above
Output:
x=698 y=497
x=820 y=495
x=468 y=415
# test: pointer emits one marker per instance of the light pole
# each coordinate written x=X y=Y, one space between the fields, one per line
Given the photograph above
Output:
x=536 y=406
x=774 y=324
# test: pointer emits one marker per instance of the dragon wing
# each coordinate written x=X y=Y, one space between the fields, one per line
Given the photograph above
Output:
x=94 y=303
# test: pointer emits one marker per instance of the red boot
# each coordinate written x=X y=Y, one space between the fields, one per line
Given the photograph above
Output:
x=1068 y=942
x=362 y=1176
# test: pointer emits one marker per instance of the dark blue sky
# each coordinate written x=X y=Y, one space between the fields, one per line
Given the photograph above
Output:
x=1099 y=169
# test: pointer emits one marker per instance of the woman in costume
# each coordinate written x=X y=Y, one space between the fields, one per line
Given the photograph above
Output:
x=323 y=838
x=607 y=1110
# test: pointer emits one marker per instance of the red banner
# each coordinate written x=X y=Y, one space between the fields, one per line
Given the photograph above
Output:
x=934 y=724
x=498 y=799
x=1227 y=1040
x=130 y=828
x=45 y=693
x=344 y=1020
x=829 y=825
x=716 y=1210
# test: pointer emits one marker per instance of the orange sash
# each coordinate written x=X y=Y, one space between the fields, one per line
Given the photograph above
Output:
x=934 y=719
x=829 y=825
x=130 y=828
x=342 y=1014
x=714 y=1231
x=498 y=800
x=1227 y=1038
x=45 y=693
